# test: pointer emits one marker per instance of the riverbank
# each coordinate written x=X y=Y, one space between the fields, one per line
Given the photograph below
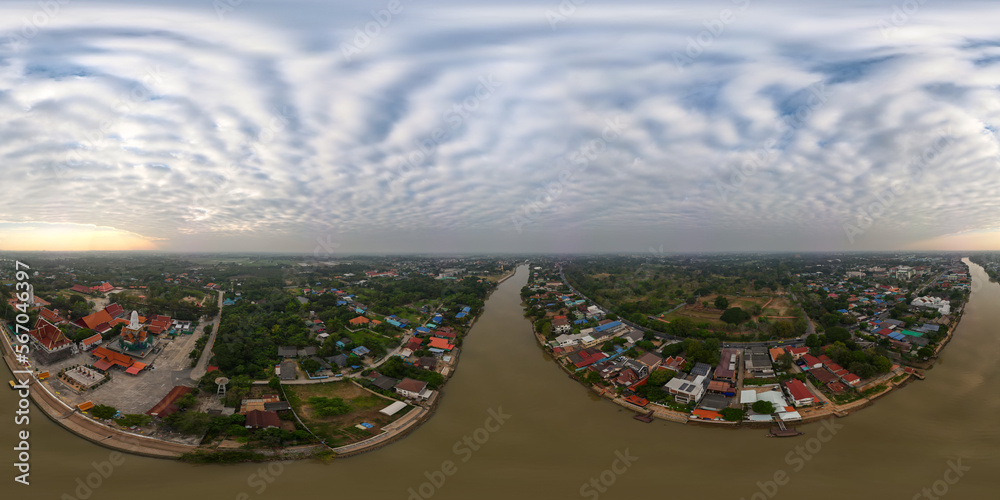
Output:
x=892 y=381
x=96 y=432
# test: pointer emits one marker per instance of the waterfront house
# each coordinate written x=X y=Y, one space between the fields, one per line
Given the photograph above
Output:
x=413 y=389
x=258 y=419
x=383 y=382
x=799 y=393
x=687 y=391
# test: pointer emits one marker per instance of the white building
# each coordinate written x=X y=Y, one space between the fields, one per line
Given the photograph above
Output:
x=687 y=391
x=943 y=306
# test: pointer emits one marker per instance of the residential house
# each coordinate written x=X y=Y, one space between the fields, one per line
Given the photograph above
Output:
x=561 y=325
x=340 y=360
x=427 y=363
x=651 y=360
x=687 y=391
x=586 y=357
x=286 y=370
x=728 y=362
x=413 y=389
x=799 y=393
x=257 y=419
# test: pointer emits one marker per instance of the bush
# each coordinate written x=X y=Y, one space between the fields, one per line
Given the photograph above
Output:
x=237 y=430
x=133 y=419
x=732 y=414
x=103 y=412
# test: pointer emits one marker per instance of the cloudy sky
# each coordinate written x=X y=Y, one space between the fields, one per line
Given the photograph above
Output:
x=467 y=126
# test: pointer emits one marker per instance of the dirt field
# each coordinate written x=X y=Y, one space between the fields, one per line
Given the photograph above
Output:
x=339 y=430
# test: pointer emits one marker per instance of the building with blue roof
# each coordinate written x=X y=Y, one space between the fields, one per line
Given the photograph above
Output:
x=607 y=326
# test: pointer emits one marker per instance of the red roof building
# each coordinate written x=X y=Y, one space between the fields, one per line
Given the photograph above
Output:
x=257 y=419
x=439 y=343
x=360 y=320
x=798 y=352
x=49 y=337
x=80 y=288
x=94 y=320
x=91 y=342
x=115 y=311
x=811 y=361
x=799 y=392
x=108 y=358
x=852 y=379
x=586 y=357
x=166 y=405
x=52 y=316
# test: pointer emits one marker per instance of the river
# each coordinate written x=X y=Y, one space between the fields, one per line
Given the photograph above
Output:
x=556 y=437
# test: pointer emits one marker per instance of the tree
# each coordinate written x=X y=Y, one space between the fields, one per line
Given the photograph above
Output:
x=783 y=329
x=186 y=401
x=882 y=364
x=784 y=362
x=660 y=377
x=310 y=365
x=732 y=414
x=814 y=341
x=837 y=334
x=103 y=412
x=672 y=350
x=763 y=407
x=721 y=302
x=734 y=316
x=591 y=377
x=863 y=370
x=925 y=352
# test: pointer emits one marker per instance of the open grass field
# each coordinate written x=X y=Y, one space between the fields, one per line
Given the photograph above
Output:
x=339 y=430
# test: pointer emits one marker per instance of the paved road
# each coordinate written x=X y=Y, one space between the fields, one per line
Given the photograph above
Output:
x=201 y=368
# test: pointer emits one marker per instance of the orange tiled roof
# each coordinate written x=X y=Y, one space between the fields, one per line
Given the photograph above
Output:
x=48 y=335
x=94 y=320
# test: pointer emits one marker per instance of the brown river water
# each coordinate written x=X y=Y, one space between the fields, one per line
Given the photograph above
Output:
x=513 y=425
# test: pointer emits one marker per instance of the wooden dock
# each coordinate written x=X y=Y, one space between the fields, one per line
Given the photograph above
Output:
x=782 y=431
x=644 y=418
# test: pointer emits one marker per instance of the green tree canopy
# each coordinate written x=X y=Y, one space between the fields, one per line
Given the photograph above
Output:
x=763 y=407
x=721 y=302
x=734 y=316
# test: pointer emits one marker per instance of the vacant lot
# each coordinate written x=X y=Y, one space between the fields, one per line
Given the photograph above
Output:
x=339 y=430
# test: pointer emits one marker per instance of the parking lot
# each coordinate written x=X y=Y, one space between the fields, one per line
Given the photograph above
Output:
x=169 y=366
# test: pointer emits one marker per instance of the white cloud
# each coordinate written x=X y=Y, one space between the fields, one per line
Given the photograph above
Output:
x=172 y=124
